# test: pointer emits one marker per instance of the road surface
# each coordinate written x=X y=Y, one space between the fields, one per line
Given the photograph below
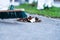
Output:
x=48 y=29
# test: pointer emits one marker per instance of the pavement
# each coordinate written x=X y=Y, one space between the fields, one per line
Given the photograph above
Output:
x=47 y=29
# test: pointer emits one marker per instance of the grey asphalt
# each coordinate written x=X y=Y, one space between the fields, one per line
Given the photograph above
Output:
x=47 y=29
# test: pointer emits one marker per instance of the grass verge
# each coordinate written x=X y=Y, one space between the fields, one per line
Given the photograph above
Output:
x=51 y=12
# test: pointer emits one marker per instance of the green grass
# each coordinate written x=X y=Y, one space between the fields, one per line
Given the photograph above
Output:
x=51 y=12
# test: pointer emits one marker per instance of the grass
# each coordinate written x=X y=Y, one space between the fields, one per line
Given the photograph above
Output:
x=51 y=12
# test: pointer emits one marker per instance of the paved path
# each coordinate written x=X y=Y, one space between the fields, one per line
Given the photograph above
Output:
x=48 y=29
